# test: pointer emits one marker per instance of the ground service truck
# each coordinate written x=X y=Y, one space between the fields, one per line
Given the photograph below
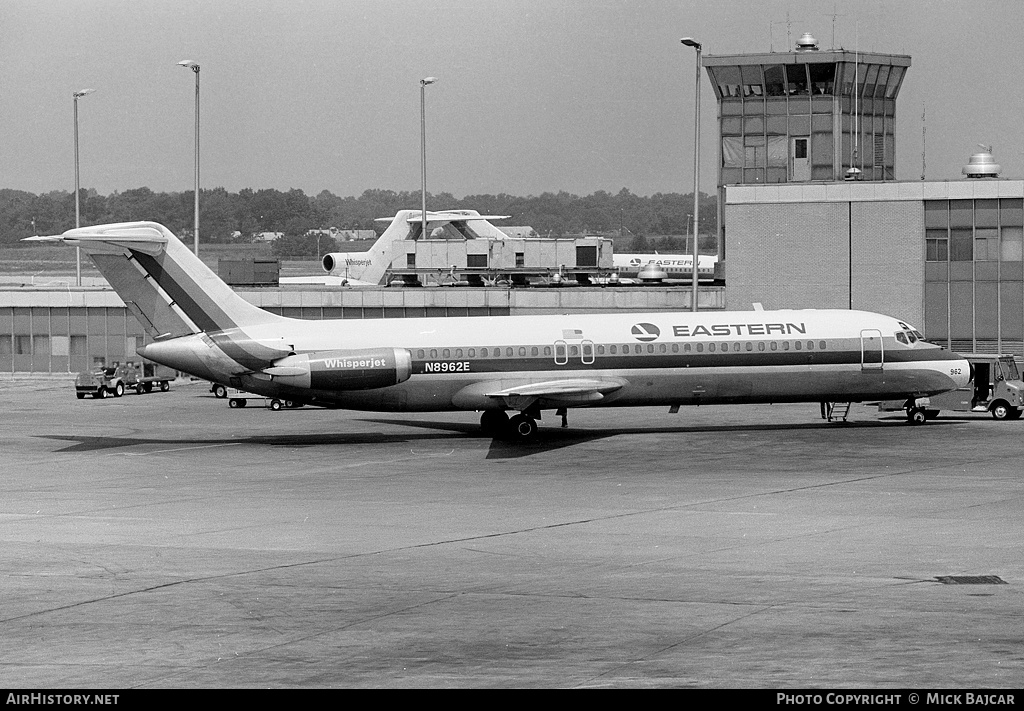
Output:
x=996 y=388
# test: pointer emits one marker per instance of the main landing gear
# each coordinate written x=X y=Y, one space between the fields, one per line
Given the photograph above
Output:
x=520 y=428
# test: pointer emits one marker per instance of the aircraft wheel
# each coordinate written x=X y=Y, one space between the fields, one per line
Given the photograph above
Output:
x=916 y=416
x=101 y=393
x=164 y=386
x=119 y=390
x=276 y=405
x=219 y=391
x=1000 y=410
x=494 y=422
x=138 y=389
x=236 y=402
x=522 y=428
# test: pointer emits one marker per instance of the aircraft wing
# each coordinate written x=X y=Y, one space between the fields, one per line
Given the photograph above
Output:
x=558 y=393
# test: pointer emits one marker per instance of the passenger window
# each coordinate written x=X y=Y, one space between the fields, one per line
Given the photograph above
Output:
x=483 y=352
x=613 y=349
x=750 y=346
x=686 y=347
x=650 y=349
x=675 y=347
x=798 y=345
x=522 y=350
x=458 y=352
x=472 y=352
x=785 y=345
x=547 y=351
x=508 y=352
x=446 y=353
x=663 y=348
x=420 y=354
x=821 y=345
x=736 y=346
x=711 y=348
x=535 y=351
x=433 y=353
x=700 y=347
x=574 y=350
x=775 y=346
x=600 y=350
x=810 y=345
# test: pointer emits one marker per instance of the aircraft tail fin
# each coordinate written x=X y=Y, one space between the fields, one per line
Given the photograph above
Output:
x=371 y=266
x=161 y=281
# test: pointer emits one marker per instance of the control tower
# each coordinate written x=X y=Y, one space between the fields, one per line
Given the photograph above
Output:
x=806 y=115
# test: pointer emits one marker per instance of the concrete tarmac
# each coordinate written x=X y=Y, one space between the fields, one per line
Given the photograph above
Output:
x=168 y=541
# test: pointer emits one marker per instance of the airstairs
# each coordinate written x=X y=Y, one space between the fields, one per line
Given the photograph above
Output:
x=834 y=411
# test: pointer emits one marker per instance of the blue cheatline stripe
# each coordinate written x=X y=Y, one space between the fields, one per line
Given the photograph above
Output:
x=743 y=359
x=186 y=293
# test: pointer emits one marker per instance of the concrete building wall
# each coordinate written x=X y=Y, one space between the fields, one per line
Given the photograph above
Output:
x=944 y=256
x=888 y=259
x=788 y=256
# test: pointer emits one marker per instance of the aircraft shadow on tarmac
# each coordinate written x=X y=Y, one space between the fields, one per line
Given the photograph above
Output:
x=552 y=438
x=547 y=439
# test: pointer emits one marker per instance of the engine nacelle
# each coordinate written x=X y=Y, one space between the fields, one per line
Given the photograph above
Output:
x=344 y=370
x=345 y=261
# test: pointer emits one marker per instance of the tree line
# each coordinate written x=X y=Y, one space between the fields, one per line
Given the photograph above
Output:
x=226 y=217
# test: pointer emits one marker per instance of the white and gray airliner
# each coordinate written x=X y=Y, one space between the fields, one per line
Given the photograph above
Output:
x=502 y=364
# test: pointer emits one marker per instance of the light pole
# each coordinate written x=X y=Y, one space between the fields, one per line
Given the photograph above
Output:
x=423 y=152
x=78 y=221
x=691 y=42
x=194 y=66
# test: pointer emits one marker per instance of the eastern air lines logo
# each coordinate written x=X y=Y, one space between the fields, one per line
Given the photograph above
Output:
x=645 y=332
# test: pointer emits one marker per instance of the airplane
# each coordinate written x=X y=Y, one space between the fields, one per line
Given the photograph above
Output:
x=368 y=268
x=525 y=364
x=656 y=267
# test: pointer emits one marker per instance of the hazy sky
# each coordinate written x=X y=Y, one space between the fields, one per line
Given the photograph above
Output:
x=532 y=95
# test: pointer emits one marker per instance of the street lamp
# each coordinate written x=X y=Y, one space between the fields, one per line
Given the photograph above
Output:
x=691 y=42
x=78 y=223
x=423 y=151
x=194 y=66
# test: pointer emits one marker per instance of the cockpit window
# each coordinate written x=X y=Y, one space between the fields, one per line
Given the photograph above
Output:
x=900 y=337
x=912 y=333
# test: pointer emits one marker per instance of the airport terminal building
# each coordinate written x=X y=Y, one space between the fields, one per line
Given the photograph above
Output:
x=811 y=216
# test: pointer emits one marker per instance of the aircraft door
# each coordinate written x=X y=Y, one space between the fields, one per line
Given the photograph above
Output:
x=561 y=353
x=872 y=350
x=587 y=352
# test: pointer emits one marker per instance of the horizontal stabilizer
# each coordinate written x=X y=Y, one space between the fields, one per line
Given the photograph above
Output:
x=148 y=237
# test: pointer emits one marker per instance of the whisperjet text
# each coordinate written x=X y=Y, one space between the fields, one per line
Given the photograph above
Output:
x=739 y=329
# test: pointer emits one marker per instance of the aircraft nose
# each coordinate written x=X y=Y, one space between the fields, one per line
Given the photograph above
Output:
x=962 y=373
